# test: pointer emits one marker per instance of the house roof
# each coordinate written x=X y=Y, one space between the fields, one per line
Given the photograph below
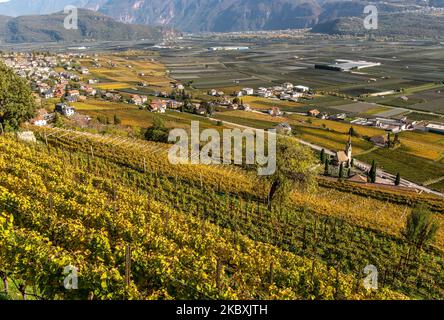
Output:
x=379 y=139
x=341 y=156
x=358 y=178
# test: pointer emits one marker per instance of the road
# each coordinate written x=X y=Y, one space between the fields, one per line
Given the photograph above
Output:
x=390 y=178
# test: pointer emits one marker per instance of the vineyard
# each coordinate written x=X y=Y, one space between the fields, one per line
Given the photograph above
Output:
x=137 y=227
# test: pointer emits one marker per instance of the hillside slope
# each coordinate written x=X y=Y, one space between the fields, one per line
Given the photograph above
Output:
x=64 y=208
x=399 y=24
x=208 y=197
x=92 y=26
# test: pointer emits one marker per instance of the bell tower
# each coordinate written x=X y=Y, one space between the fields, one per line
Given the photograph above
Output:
x=349 y=150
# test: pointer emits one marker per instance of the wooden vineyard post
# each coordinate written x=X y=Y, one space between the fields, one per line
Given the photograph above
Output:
x=337 y=282
x=47 y=144
x=5 y=282
x=313 y=265
x=21 y=288
x=1 y=128
x=271 y=273
x=218 y=274
x=92 y=152
x=50 y=202
x=167 y=218
x=357 y=281
x=304 y=240
x=144 y=166
x=128 y=265
x=203 y=227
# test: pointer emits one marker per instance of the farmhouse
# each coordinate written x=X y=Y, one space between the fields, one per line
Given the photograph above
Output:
x=41 y=118
x=339 y=117
x=158 y=106
x=275 y=112
x=65 y=110
x=90 y=90
x=245 y=107
x=247 y=91
x=48 y=94
x=212 y=92
x=200 y=111
x=435 y=128
x=284 y=128
x=302 y=88
x=288 y=85
x=173 y=104
x=137 y=100
x=313 y=113
x=73 y=93
x=392 y=125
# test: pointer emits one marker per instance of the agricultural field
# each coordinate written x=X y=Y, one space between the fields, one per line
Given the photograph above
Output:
x=265 y=104
x=267 y=64
x=410 y=166
x=126 y=70
x=187 y=210
x=132 y=116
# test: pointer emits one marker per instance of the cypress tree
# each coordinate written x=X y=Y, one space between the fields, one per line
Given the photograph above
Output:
x=327 y=167
x=372 y=173
x=341 y=171
x=322 y=155
x=398 y=179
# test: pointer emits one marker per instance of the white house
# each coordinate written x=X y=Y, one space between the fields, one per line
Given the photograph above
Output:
x=248 y=91
x=302 y=88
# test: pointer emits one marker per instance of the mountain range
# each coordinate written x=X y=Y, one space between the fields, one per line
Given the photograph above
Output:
x=92 y=26
x=227 y=15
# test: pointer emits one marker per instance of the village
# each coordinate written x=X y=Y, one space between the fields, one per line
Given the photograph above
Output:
x=61 y=80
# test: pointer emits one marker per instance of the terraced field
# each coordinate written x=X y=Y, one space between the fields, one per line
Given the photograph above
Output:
x=188 y=219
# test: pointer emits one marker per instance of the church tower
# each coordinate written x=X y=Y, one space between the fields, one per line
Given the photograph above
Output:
x=349 y=150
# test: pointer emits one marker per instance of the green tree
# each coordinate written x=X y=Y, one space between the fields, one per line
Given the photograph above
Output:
x=17 y=104
x=421 y=227
x=157 y=132
x=372 y=175
x=117 y=119
x=351 y=132
x=341 y=171
x=398 y=179
x=396 y=140
x=294 y=169
x=326 y=168
x=210 y=109
x=58 y=120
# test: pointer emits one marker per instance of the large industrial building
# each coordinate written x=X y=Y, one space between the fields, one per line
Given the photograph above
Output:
x=347 y=65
